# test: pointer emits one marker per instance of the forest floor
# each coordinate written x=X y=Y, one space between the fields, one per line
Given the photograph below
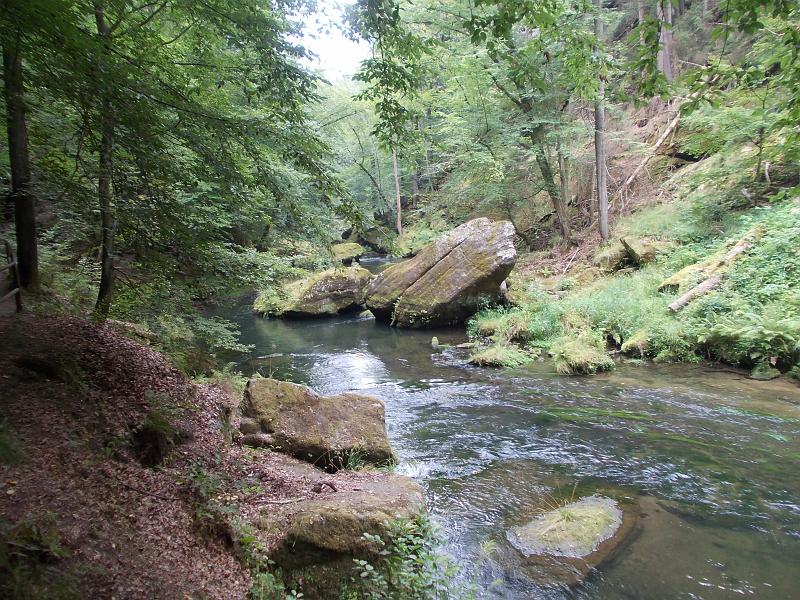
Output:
x=81 y=515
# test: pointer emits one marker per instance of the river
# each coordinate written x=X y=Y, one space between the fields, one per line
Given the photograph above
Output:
x=711 y=457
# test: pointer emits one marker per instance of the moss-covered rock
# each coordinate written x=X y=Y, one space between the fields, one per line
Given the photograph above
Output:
x=764 y=372
x=445 y=283
x=500 y=355
x=323 y=294
x=637 y=344
x=581 y=354
x=338 y=523
x=611 y=257
x=565 y=544
x=321 y=537
x=323 y=430
x=347 y=252
x=641 y=251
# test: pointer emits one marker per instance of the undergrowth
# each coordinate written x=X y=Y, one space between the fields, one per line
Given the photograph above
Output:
x=411 y=566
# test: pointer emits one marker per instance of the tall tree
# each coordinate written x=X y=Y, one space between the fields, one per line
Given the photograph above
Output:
x=665 y=38
x=105 y=171
x=398 y=195
x=599 y=135
x=24 y=207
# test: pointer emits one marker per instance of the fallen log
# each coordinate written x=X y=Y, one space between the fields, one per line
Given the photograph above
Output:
x=713 y=271
x=708 y=285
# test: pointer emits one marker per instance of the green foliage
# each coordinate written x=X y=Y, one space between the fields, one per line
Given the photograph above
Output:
x=410 y=567
x=744 y=337
x=535 y=323
x=621 y=305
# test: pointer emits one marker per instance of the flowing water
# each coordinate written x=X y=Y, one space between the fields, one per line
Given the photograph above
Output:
x=712 y=458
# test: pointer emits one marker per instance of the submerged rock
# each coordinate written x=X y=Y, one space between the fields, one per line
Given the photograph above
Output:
x=445 y=283
x=327 y=293
x=565 y=544
x=327 y=431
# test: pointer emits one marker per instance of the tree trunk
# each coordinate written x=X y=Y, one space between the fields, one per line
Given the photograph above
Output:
x=599 y=140
x=24 y=208
x=106 y=155
x=562 y=173
x=536 y=136
x=397 y=192
x=665 y=41
x=640 y=10
x=415 y=189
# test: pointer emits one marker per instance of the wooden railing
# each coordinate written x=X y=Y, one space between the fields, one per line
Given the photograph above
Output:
x=13 y=272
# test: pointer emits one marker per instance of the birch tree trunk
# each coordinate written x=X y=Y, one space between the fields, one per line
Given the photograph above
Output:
x=24 y=208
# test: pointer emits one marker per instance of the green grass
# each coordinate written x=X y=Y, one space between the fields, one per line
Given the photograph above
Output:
x=500 y=355
x=582 y=354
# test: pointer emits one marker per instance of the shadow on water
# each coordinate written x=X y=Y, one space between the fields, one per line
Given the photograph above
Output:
x=713 y=460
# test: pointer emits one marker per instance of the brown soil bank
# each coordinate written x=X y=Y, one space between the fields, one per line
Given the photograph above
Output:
x=119 y=478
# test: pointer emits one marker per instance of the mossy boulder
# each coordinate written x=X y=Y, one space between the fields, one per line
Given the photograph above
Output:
x=324 y=535
x=323 y=430
x=337 y=523
x=347 y=252
x=500 y=355
x=565 y=544
x=628 y=252
x=611 y=257
x=582 y=354
x=324 y=294
x=764 y=372
x=641 y=251
x=446 y=282
x=637 y=344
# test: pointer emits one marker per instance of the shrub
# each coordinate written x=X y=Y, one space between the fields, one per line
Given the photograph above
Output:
x=410 y=566
x=748 y=338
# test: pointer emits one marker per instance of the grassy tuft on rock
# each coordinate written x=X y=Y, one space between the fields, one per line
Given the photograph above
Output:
x=583 y=354
x=500 y=355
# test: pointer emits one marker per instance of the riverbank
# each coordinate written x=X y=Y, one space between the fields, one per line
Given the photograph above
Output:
x=121 y=477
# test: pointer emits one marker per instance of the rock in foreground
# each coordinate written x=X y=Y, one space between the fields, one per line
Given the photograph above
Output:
x=446 y=281
x=327 y=431
x=565 y=544
x=327 y=293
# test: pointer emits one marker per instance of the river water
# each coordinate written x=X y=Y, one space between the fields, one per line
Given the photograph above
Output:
x=711 y=458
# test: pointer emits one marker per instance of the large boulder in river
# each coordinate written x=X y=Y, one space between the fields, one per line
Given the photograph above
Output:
x=324 y=294
x=328 y=431
x=324 y=534
x=445 y=283
x=565 y=544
